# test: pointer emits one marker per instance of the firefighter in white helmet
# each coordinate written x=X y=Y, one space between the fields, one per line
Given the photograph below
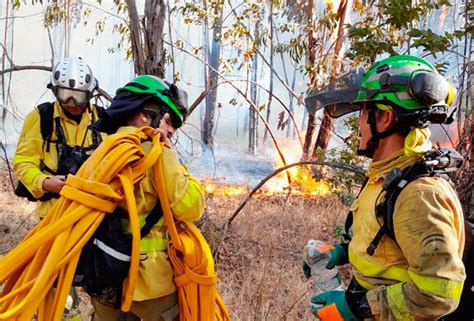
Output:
x=56 y=137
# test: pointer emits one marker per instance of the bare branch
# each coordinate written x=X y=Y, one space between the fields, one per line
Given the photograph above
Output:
x=104 y=11
x=27 y=67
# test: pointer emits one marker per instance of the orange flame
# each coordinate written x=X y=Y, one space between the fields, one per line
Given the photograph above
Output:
x=302 y=178
x=224 y=189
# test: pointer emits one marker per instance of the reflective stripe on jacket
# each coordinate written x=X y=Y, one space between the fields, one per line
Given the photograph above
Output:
x=31 y=150
x=421 y=275
x=155 y=275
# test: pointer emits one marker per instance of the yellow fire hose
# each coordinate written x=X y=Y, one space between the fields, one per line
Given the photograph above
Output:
x=38 y=273
x=193 y=265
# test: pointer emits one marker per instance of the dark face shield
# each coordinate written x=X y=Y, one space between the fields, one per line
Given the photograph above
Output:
x=337 y=97
x=68 y=96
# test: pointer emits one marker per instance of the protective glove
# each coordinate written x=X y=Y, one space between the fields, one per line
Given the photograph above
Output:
x=331 y=306
x=338 y=256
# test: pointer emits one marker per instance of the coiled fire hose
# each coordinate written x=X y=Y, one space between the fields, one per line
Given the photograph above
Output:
x=37 y=274
x=193 y=265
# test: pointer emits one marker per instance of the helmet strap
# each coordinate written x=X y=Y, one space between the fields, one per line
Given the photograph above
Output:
x=373 y=142
x=155 y=122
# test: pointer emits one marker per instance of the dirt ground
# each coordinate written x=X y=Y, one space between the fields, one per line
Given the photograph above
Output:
x=259 y=259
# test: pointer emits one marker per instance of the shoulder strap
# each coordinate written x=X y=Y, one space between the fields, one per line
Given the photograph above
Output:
x=46 y=111
x=96 y=136
x=98 y=109
x=151 y=219
x=395 y=181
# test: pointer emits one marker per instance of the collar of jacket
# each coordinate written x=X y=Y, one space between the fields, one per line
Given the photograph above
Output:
x=379 y=169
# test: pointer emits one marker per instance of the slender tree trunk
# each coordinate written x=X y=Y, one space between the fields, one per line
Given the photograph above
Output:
x=326 y=128
x=170 y=35
x=253 y=120
x=67 y=27
x=6 y=63
x=215 y=56
x=470 y=119
x=311 y=58
x=135 y=38
x=270 y=94
x=205 y=57
x=291 y=108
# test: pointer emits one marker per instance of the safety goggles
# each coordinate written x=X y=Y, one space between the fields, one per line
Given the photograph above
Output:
x=337 y=97
x=158 y=110
x=66 y=96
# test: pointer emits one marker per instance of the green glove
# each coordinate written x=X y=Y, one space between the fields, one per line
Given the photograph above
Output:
x=332 y=305
x=337 y=256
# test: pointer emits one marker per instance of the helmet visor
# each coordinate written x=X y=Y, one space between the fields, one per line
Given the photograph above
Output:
x=337 y=97
x=66 y=96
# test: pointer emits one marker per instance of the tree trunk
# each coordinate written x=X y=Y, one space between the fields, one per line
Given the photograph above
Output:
x=311 y=125
x=6 y=63
x=154 y=20
x=310 y=59
x=325 y=130
x=135 y=38
x=253 y=120
x=270 y=94
x=215 y=56
x=470 y=183
x=146 y=37
x=291 y=108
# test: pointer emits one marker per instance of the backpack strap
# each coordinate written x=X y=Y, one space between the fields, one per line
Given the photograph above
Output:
x=151 y=219
x=46 y=111
x=96 y=136
x=395 y=181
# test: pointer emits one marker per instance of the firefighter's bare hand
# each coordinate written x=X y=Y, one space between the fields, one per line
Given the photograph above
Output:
x=163 y=136
x=54 y=184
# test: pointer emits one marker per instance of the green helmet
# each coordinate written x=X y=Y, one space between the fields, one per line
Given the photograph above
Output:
x=408 y=82
x=174 y=98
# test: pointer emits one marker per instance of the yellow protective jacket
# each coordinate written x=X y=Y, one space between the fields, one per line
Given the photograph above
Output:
x=421 y=275
x=155 y=275
x=31 y=151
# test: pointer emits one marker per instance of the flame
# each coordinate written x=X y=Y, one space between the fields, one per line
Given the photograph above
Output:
x=224 y=189
x=302 y=178
x=333 y=5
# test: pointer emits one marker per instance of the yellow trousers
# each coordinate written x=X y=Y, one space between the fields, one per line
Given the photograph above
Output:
x=160 y=309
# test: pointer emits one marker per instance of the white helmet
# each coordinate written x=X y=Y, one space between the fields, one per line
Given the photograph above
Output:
x=72 y=79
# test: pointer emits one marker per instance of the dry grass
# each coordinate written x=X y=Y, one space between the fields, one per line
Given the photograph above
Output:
x=259 y=265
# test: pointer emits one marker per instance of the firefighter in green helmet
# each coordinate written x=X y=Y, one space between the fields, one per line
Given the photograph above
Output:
x=150 y=101
x=406 y=248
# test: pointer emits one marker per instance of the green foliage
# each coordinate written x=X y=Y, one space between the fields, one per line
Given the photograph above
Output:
x=338 y=234
x=346 y=183
x=395 y=26
x=54 y=14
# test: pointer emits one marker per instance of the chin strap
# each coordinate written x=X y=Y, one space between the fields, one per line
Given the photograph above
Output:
x=373 y=142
